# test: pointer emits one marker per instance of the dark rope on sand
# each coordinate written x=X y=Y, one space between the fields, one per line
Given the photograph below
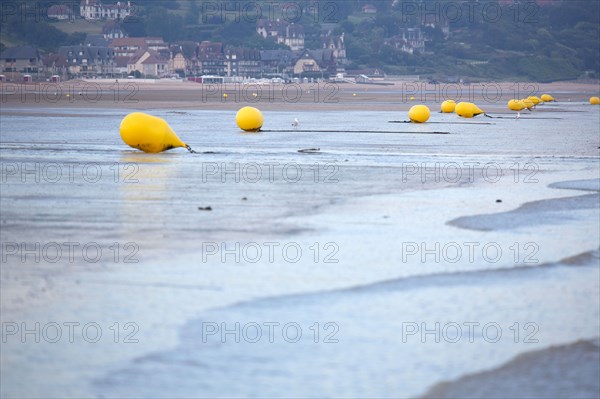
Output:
x=531 y=119
x=196 y=152
x=450 y=123
x=350 y=131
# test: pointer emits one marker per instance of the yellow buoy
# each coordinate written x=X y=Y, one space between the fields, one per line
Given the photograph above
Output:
x=249 y=119
x=149 y=133
x=516 y=105
x=225 y=95
x=535 y=100
x=448 y=106
x=547 y=98
x=528 y=103
x=353 y=94
x=595 y=100
x=419 y=114
x=467 y=110
x=412 y=99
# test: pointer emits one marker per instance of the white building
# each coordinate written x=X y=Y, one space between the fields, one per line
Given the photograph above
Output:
x=94 y=9
x=292 y=35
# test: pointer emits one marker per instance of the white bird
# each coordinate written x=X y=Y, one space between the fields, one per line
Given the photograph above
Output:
x=296 y=123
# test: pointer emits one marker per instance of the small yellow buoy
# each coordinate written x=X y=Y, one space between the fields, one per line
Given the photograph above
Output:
x=595 y=100
x=412 y=99
x=149 y=133
x=419 y=114
x=467 y=110
x=448 y=106
x=535 y=100
x=353 y=94
x=528 y=103
x=225 y=95
x=547 y=98
x=249 y=119
x=516 y=105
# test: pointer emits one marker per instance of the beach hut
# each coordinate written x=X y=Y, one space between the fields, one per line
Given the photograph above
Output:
x=27 y=79
x=2 y=78
x=55 y=79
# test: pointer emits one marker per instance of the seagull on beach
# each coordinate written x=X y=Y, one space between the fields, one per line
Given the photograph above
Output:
x=296 y=123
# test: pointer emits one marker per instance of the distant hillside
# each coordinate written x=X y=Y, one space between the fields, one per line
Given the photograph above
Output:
x=555 y=40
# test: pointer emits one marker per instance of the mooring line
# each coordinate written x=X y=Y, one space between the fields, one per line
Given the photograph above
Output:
x=348 y=131
x=450 y=123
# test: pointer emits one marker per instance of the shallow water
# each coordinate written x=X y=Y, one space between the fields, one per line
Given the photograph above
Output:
x=367 y=200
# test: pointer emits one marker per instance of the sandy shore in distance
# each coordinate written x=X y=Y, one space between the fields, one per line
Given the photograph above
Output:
x=166 y=94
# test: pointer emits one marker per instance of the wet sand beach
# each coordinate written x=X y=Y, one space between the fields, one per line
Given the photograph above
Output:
x=391 y=262
x=523 y=377
x=185 y=95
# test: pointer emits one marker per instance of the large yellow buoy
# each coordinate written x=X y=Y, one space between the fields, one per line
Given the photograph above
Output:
x=547 y=98
x=535 y=100
x=149 y=133
x=516 y=105
x=595 y=100
x=419 y=114
x=448 y=106
x=467 y=110
x=477 y=110
x=249 y=119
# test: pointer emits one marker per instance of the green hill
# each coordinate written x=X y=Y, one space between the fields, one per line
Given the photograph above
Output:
x=555 y=42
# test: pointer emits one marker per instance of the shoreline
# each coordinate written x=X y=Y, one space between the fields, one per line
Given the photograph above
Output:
x=305 y=96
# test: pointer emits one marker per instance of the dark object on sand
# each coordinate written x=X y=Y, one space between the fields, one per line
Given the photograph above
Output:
x=310 y=150
x=498 y=200
x=206 y=208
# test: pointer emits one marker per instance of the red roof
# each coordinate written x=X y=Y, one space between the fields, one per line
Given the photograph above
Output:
x=154 y=58
x=121 y=61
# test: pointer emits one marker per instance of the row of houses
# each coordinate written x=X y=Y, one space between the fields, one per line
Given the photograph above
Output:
x=153 y=58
